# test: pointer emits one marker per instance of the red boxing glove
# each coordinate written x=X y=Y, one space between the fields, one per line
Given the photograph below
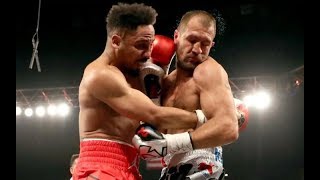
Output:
x=163 y=50
x=242 y=114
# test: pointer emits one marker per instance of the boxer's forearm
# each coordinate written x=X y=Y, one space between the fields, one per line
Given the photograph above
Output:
x=135 y=105
x=215 y=132
x=174 y=118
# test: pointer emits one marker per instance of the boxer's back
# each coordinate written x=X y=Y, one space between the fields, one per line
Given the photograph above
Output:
x=96 y=118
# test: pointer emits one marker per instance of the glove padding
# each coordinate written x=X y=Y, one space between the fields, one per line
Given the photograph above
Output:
x=242 y=114
x=149 y=142
x=151 y=77
x=163 y=50
x=152 y=144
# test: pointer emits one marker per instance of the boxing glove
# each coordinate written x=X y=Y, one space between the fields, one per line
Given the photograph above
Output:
x=242 y=114
x=151 y=77
x=163 y=50
x=152 y=144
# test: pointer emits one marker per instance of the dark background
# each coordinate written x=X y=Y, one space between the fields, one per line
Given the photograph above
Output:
x=260 y=39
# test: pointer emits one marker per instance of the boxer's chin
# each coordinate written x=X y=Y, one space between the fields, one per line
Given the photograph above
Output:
x=186 y=66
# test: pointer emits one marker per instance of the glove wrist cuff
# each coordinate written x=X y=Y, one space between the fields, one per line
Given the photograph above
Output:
x=178 y=143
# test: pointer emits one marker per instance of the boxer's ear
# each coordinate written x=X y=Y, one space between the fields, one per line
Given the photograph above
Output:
x=115 y=41
x=212 y=43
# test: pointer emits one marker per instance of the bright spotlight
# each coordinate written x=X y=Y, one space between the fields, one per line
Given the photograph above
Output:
x=63 y=109
x=262 y=100
x=40 y=111
x=18 y=111
x=28 y=112
x=259 y=100
x=52 y=110
x=249 y=100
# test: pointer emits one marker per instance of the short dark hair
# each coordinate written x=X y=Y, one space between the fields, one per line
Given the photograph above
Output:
x=73 y=158
x=125 y=16
x=212 y=15
x=208 y=19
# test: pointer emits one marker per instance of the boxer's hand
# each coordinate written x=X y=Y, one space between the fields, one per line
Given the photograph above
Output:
x=151 y=77
x=152 y=72
x=163 y=49
x=242 y=114
x=149 y=143
x=152 y=144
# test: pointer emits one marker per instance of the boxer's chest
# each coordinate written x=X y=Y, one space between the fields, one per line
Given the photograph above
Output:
x=183 y=96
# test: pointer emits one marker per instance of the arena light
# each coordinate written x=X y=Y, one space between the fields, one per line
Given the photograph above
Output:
x=18 y=111
x=40 y=111
x=63 y=109
x=259 y=100
x=52 y=110
x=262 y=100
x=249 y=100
x=28 y=112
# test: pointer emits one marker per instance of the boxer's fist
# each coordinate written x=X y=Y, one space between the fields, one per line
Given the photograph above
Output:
x=242 y=114
x=151 y=77
x=163 y=50
x=152 y=144
x=149 y=142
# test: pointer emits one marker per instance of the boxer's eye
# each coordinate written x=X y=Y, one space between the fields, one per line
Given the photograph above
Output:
x=142 y=46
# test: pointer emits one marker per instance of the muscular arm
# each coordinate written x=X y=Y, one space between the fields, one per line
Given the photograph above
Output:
x=111 y=87
x=216 y=102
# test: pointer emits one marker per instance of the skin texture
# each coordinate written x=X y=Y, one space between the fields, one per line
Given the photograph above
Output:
x=111 y=102
x=200 y=82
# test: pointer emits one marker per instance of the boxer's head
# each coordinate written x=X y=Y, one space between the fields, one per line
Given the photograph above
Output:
x=131 y=33
x=194 y=38
x=73 y=162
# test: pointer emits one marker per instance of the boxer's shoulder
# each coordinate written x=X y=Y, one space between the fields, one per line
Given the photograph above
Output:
x=169 y=79
x=209 y=64
x=209 y=70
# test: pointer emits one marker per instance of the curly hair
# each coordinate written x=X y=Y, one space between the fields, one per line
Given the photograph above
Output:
x=125 y=16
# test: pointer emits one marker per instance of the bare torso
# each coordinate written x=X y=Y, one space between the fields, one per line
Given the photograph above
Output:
x=96 y=118
x=181 y=94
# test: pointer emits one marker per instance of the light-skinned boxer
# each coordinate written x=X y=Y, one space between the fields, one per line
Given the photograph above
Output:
x=112 y=97
x=199 y=83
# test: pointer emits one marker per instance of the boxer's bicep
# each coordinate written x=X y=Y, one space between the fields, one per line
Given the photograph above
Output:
x=216 y=102
x=134 y=104
x=216 y=98
x=112 y=88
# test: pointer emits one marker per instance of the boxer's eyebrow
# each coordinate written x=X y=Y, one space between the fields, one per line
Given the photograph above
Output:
x=148 y=40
